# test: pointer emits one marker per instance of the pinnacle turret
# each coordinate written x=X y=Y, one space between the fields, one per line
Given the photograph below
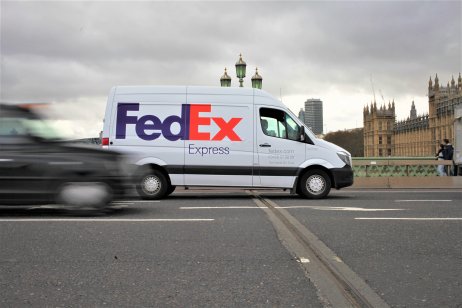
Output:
x=437 y=83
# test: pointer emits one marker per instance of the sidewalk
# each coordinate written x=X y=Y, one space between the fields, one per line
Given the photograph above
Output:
x=452 y=182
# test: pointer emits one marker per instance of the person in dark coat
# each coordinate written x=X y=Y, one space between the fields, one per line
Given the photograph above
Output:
x=448 y=154
x=440 y=156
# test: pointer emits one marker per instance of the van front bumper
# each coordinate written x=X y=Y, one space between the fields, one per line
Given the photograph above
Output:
x=343 y=177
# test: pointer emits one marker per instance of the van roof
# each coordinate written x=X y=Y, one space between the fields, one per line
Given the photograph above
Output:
x=190 y=90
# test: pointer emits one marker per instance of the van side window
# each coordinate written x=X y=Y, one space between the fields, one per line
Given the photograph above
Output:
x=277 y=123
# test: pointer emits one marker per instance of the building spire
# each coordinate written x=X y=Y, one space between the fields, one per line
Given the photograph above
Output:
x=459 y=83
x=437 y=83
x=413 y=113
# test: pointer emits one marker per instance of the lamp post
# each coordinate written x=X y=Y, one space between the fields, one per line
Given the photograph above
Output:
x=225 y=80
x=257 y=80
x=240 y=70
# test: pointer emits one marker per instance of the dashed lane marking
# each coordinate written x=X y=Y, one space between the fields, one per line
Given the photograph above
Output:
x=105 y=220
x=136 y=201
x=217 y=207
x=423 y=200
x=321 y=208
x=338 y=208
x=408 y=218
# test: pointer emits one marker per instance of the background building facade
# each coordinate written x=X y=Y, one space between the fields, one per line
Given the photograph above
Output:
x=313 y=115
x=417 y=135
x=378 y=129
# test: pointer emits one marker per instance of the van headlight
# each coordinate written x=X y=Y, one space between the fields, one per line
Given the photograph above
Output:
x=345 y=157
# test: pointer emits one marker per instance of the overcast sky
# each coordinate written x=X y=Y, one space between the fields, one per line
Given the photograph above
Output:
x=72 y=53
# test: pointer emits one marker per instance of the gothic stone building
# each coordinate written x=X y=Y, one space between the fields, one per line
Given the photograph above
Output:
x=417 y=135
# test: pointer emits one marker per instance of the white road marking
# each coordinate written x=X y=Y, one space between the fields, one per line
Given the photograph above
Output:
x=321 y=208
x=408 y=218
x=423 y=200
x=336 y=258
x=105 y=220
x=304 y=260
x=217 y=207
x=136 y=201
x=394 y=191
x=338 y=208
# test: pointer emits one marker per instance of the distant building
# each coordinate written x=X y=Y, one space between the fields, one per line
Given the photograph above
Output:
x=313 y=116
x=416 y=135
x=301 y=115
x=378 y=130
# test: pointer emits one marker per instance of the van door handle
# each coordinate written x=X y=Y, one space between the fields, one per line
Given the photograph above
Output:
x=265 y=145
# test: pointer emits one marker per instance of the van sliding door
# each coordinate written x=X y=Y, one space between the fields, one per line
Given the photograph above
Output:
x=219 y=150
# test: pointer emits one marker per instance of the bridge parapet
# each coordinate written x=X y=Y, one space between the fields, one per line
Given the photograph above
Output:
x=397 y=166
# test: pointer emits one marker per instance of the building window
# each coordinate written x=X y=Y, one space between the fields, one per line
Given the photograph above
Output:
x=388 y=139
x=380 y=139
x=380 y=153
x=389 y=152
x=380 y=125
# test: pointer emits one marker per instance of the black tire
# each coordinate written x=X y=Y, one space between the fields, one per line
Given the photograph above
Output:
x=314 y=184
x=171 y=189
x=152 y=185
x=80 y=194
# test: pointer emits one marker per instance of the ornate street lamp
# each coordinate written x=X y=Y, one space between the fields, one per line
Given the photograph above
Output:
x=225 y=80
x=257 y=80
x=240 y=70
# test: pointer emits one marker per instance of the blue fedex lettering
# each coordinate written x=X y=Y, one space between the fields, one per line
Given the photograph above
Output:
x=149 y=127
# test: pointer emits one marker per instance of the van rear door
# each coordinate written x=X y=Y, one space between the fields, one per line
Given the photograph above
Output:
x=150 y=125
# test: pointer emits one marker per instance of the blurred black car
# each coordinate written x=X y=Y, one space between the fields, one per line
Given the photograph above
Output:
x=36 y=167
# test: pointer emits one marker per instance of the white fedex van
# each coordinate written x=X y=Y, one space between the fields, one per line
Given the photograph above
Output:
x=216 y=136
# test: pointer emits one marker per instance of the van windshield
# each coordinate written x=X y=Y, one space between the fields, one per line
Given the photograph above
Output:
x=307 y=129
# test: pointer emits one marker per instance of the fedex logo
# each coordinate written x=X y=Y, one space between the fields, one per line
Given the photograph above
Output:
x=149 y=127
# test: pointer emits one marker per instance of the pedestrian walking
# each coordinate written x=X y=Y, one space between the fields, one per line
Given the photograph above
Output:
x=440 y=156
x=448 y=154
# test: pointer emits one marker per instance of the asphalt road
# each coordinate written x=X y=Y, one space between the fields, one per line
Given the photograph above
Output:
x=219 y=248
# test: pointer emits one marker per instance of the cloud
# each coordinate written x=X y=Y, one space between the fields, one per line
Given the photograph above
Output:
x=70 y=51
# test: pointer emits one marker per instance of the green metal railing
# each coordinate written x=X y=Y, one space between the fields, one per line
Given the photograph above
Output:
x=396 y=166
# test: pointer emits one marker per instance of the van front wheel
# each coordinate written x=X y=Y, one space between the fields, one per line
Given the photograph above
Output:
x=315 y=184
x=152 y=185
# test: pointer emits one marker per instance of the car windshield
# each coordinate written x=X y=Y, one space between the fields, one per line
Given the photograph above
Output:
x=14 y=126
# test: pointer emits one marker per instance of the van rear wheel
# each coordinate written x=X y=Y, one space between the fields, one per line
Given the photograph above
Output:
x=152 y=185
x=315 y=184
x=171 y=189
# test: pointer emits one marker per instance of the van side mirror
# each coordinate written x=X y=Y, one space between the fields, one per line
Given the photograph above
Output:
x=302 y=133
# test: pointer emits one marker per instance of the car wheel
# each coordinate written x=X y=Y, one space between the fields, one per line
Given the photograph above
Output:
x=152 y=185
x=85 y=194
x=170 y=189
x=315 y=184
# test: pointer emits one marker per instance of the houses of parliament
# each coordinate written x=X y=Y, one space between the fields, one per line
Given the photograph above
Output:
x=416 y=135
